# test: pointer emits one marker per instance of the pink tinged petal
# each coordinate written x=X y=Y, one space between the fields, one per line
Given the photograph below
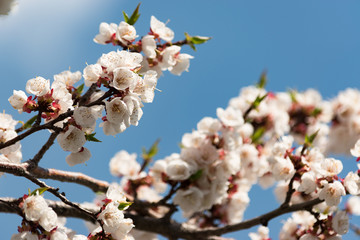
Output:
x=182 y=64
x=18 y=99
x=78 y=157
x=160 y=29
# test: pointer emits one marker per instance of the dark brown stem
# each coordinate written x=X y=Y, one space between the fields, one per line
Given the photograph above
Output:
x=86 y=97
x=174 y=229
x=36 y=159
x=289 y=193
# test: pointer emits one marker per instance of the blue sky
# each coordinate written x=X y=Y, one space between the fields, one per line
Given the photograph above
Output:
x=301 y=44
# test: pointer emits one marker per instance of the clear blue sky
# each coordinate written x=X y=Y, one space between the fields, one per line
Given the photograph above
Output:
x=302 y=44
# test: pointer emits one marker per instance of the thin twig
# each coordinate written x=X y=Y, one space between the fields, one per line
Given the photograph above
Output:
x=36 y=159
x=289 y=193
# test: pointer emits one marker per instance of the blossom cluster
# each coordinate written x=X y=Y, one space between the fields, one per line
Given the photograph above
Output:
x=158 y=57
x=129 y=77
x=260 y=138
x=41 y=222
x=10 y=154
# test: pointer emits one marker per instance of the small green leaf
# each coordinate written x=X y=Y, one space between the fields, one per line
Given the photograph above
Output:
x=262 y=81
x=196 y=175
x=199 y=39
x=147 y=155
x=126 y=17
x=192 y=40
x=91 y=137
x=258 y=134
x=40 y=190
x=134 y=16
x=188 y=37
x=310 y=139
x=293 y=96
x=154 y=149
x=80 y=89
x=29 y=123
x=258 y=100
x=124 y=205
x=316 y=112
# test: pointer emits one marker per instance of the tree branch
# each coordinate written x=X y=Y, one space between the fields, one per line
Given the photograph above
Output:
x=55 y=191
x=173 y=228
x=55 y=174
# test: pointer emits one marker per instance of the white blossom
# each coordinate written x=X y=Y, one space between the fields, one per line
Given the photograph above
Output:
x=145 y=87
x=111 y=128
x=5 y=136
x=114 y=221
x=18 y=100
x=230 y=117
x=117 y=111
x=308 y=184
x=59 y=234
x=143 y=235
x=309 y=236
x=353 y=205
x=71 y=140
x=34 y=207
x=189 y=200
x=24 y=236
x=113 y=60
x=169 y=57
x=126 y=33
x=330 y=167
x=237 y=206
x=75 y=158
x=182 y=64
x=79 y=237
x=148 y=46
x=355 y=151
x=115 y=193
x=340 y=223
x=86 y=117
x=48 y=219
x=178 y=170
x=124 y=164
x=262 y=234
x=106 y=32
x=352 y=183
x=332 y=193
x=124 y=78
x=283 y=168
x=67 y=77
x=38 y=86
x=160 y=29
x=92 y=74
x=62 y=95
x=209 y=125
